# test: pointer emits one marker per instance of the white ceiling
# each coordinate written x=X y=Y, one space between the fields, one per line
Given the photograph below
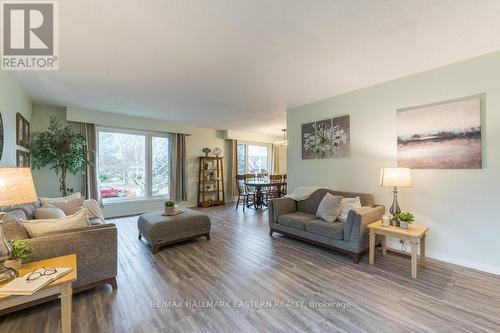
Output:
x=234 y=64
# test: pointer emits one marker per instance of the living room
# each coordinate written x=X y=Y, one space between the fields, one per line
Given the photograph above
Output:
x=252 y=165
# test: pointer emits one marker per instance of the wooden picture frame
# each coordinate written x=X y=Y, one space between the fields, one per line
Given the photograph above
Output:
x=23 y=129
x=22 y=159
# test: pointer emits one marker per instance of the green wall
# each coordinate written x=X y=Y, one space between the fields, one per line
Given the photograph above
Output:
x=12 y=100
x=459 y=206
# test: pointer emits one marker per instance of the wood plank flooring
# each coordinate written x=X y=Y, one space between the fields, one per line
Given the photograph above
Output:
x=263 y=284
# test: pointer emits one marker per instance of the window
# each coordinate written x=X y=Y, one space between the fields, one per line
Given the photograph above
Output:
x=132 y=164
x=253 y=158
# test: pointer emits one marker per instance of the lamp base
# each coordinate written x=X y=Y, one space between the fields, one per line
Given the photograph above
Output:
x=6 y=274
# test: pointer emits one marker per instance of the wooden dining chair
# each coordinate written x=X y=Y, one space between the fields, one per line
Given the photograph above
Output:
x=245 y=196
x=284 y=187
x=275 y=190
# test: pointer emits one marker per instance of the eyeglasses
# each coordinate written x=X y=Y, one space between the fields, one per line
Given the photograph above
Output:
x=38 y=273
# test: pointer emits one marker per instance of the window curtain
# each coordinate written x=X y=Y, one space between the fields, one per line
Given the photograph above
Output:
x=178 y=179
x=276 y=160
x=232 y=188
x=89 y=186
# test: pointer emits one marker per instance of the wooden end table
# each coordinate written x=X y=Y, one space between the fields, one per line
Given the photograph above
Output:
x=415 y=234
x=61 y=287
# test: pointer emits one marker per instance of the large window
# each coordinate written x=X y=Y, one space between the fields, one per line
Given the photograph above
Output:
x=132 y=164
x=253 y=158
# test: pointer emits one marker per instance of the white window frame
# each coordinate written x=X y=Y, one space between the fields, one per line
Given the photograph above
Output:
x=269 y=153
x=148 y=160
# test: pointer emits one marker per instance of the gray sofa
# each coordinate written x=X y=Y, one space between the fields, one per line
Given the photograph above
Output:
x=95 y=246
x=297 y=219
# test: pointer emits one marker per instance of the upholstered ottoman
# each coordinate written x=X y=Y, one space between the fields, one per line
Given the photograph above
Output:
x=161 y=230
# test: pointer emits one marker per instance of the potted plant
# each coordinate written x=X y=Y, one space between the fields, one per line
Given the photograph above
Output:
x=61 y=149
x=20 y=251
x=169 y=207
x=405 y=219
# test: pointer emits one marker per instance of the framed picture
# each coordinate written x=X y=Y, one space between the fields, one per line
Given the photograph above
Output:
x=445 y=135
x=22 y=131
x=1 y=136
x=22 y=159
x=328 y=138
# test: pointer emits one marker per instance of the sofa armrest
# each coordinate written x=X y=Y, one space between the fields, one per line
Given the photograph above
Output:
x=356 y=227
x=280 y=206
x=95 y=247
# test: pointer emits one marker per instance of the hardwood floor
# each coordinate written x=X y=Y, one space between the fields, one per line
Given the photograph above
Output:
x=241 y=264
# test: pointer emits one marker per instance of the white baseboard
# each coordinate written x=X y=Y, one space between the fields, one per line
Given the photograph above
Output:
x=449 y=259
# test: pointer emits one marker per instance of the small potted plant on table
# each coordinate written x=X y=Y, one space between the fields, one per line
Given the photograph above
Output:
x=169 y=207
x=20 y=251
x=405 y=219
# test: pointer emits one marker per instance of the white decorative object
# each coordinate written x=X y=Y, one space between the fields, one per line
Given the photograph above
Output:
x=386 y=221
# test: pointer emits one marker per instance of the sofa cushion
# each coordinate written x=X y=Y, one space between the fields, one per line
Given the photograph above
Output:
x=15 y=215
x=348 y=204
x=310 y=205
x=44 y=213
x=37 y=228
x=296 y=220
x=329 y=207
x=333 y=230
x=14 y=230
x=68 y=207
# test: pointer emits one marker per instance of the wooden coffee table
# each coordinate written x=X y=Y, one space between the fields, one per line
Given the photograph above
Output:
x=415 y=234
x=61 y=287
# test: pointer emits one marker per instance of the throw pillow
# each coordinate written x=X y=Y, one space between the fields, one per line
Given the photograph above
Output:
x=329 y=207
x=60 y=199
x=68 y=207
x=347 y=205
x=37 y=228
x=44 y=213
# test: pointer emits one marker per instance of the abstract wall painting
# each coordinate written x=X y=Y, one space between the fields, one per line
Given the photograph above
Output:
x=329 y=138
x=446 y=135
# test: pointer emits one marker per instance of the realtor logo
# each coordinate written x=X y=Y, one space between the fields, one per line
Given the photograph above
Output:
x=29 y=35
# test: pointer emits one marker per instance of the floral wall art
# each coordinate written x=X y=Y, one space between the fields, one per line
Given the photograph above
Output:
x=329 y=138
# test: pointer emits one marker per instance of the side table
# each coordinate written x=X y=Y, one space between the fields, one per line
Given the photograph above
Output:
x=61 y=287
x=415 y=234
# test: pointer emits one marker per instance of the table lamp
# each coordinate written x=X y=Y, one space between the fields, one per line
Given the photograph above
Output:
x=16 y=188
x=395 y=177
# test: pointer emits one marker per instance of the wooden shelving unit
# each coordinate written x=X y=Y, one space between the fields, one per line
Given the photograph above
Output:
x=211 y=182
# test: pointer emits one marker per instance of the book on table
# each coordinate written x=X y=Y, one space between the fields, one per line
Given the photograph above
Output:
x=21 y=285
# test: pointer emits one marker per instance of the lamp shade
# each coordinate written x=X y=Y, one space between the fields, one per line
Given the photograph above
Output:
x=395 y=177
x=16 y=186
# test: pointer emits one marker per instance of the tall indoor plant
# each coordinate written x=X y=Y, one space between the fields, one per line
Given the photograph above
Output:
x=61 y=149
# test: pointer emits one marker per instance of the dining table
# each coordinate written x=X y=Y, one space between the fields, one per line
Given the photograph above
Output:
x=261 y=185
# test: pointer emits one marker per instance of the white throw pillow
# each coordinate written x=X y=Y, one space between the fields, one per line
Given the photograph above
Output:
x=329 y=207
x=60 y=199
x=47 y=212
x=347 y=205
x=37 y=228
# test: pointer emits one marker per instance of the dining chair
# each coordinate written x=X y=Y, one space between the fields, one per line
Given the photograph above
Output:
x=284 y=187
x=275 y=190
x=244 y=195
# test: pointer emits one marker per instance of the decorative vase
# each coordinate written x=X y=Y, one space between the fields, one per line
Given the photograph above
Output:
x=169 y=210
x=403 y=225
x=5 y=254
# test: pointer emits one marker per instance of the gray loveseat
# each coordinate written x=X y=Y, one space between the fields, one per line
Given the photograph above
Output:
x=297 y=219
x=95 y=246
